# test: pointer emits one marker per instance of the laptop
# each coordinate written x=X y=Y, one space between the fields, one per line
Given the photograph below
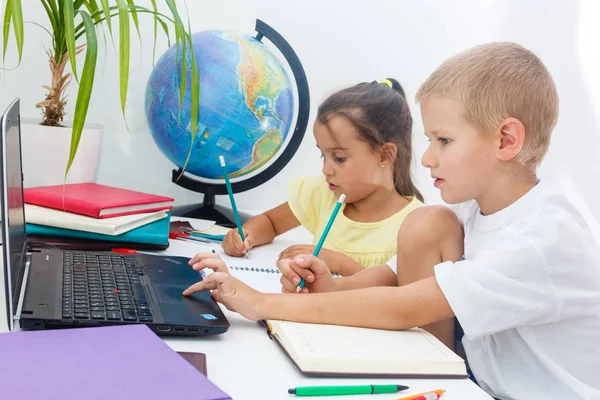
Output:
x=50 y=288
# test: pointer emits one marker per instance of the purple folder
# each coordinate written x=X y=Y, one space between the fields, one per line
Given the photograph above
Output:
x=113 y=362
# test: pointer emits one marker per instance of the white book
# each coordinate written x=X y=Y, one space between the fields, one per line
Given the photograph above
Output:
x=330 y=350
x=108 y=226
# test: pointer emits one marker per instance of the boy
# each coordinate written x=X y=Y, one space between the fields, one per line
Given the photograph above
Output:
x=527 y=292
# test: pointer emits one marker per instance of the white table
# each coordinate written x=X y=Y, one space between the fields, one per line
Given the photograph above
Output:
x=246 y=364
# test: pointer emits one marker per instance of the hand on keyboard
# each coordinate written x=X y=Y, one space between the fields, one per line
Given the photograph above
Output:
x=208 y=260
x=232 y=293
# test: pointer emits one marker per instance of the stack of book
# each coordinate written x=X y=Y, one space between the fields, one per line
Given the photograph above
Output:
x=90 y=216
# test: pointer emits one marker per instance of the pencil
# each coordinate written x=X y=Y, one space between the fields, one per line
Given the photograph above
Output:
x=324 y=234
x=233 y=207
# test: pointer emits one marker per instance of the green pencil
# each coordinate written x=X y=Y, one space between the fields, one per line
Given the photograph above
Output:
x=233 y=207
x=325 y=233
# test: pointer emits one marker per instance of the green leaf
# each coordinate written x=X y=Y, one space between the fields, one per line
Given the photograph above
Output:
x=85 y=87
x=106 y=10
x=16 y=16
x=6 y=29
x=124 y=35
x=69 y=24
x=55 y=17
x=179 y=39
x=51 y=14
x=195 y=104
x=155 y=30
x=134 y=16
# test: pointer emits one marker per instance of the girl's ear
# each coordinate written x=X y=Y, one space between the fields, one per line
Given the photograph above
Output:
x=388 y=153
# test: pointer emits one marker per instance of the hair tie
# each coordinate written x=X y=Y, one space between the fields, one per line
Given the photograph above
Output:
x=387 y=82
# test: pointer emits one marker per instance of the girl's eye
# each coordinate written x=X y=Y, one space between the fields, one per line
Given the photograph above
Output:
x=444 y=140
x=340 y=159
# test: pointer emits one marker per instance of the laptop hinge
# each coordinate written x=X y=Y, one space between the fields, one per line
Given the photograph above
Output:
x=23 y=286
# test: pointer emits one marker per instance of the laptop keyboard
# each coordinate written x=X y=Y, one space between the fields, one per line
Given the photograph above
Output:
x=104 y=287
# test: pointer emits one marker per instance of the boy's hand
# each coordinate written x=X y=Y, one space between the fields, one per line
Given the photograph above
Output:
x=233 y=245
x=208 y=260
x=314 y=271
x=232 y=293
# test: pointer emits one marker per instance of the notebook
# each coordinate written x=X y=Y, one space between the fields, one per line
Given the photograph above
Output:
x=95 y=200
x=197 y=360
x=107 y=226
x=156 y=232
x=113 y=362
x=329 y=350
x=44 y=242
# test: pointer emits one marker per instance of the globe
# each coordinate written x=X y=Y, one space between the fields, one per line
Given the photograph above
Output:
x=246 y=105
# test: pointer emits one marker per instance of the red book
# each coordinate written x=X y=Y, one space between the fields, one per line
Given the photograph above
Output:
x=94 y=200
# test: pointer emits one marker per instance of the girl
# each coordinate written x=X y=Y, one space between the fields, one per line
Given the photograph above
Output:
x=364 y=135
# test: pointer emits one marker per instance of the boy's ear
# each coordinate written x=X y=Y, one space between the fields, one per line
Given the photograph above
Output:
x=388 y=153
x=512 y=136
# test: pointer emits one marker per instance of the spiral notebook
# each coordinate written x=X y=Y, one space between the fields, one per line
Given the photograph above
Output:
x=260 y=274
x=260 y=278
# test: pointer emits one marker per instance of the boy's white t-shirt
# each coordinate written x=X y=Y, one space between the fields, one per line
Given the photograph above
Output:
x=527 y=296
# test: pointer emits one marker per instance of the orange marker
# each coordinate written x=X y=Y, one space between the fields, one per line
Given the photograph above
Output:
x=434 y=395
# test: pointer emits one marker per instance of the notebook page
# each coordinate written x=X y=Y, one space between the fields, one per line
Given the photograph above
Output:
x=329 y=347
x=259 y=270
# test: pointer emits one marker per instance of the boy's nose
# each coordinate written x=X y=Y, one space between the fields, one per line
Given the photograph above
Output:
x=428 y=160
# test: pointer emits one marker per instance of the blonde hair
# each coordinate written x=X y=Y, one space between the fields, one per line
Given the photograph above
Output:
x=496 y=81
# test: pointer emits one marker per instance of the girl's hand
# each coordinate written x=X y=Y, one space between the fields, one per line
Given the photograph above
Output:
x=232 y=293
x=334 y=259
x=298 y=249
x=315 y=272
x=233 y=245
x=208 y=260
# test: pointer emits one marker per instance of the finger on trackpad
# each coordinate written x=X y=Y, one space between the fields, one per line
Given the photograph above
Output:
x=172 y=294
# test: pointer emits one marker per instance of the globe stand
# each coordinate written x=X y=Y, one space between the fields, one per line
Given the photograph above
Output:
x=208 y=210
x=223 y=215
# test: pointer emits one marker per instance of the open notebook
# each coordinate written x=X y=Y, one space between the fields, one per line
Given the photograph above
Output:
x=328 y=350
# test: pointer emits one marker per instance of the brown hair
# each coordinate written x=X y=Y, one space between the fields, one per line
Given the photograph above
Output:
x=381 y=115
x=496 y=81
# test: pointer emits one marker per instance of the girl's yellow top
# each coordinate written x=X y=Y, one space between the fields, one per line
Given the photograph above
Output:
x=367 y=243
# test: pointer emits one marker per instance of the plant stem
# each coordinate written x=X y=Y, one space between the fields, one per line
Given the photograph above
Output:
x=53 y=107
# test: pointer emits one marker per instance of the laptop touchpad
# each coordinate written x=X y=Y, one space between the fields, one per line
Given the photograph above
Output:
x=172 y=294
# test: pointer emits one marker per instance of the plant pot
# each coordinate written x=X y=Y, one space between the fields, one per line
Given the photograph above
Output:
x=45 y=151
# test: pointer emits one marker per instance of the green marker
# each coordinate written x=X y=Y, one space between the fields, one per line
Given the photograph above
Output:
x=325 y=233
x=345 y=390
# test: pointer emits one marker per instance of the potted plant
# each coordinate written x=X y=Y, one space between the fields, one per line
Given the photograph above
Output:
x=72 y=27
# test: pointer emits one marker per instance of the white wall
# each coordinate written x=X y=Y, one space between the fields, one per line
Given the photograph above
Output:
x=341 y=43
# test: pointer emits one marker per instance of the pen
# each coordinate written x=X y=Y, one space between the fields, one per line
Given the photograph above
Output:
x=434 y=395
x=345 y=390
x=186 y=236
x=233 y=207
x=324 y=234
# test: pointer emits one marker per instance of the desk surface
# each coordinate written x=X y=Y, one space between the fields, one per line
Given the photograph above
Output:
x=246 y=364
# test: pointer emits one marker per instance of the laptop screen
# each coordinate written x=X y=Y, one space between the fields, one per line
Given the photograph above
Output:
x=12 y=214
